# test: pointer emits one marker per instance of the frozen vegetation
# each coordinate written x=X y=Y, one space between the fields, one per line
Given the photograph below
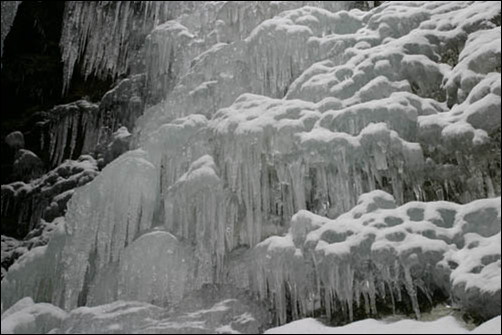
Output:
x=276 y=161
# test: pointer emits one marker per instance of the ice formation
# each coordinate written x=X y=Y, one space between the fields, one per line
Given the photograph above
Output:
x=25 y=203
x=301 y=132
x=65 y=124
x=9 y=10
x=378 y=252
x=104 y=36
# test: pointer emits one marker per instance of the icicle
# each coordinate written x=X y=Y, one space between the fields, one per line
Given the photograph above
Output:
x=410 y=288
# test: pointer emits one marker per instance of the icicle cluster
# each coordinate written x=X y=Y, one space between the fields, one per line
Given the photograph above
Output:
x=105 y=37
x=66 y=128
x=378 y=254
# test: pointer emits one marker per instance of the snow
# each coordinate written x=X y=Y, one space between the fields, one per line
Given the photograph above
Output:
x=447 y=325
x=480 y=56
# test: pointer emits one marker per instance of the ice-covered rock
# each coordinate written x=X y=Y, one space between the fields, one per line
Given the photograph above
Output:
x=69 y=131
x=27 y=166
x=15 y=140
x=25 y=204
x=119 y=144
x=13 y=249
x=121 y=106
x=27 y=317
x=107 y=37
x=378 y=253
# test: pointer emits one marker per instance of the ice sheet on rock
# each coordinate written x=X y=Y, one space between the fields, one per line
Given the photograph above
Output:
x=198 y=210
x=174 y=146
x=378 y=251
x=27 y=317
x=119 y=144
x=103 y=218
x=120 y=107
x=33 y=275
x=169 y=49
x=145 y=272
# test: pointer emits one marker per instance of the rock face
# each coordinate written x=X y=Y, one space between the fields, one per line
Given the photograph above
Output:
x=351 y=161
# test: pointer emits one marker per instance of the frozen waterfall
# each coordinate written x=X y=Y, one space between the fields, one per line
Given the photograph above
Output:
x=325 y=160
